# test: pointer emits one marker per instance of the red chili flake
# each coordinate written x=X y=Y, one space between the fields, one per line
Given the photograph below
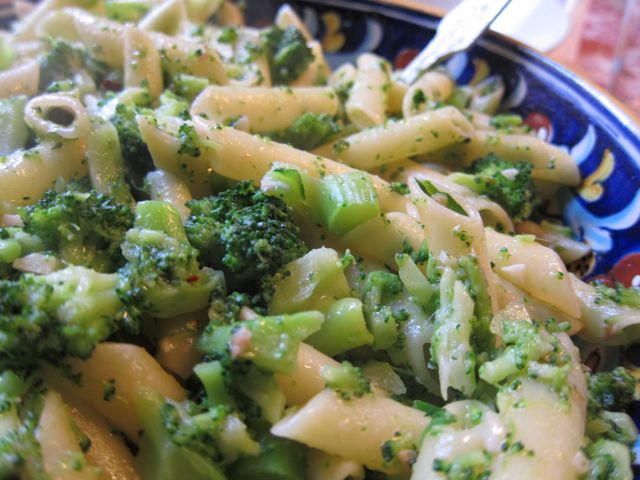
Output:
x=193 y=279
x=110 y=84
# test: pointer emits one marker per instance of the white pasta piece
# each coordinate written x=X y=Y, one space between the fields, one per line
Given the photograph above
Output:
x=166 y=186
x=41 y=114
x=230 y=14
x=551 y=428
x=428 y=132
x=343 y=77
x=160 y=135
x=306 y=381
x=103 y=38
x=552 y=236
x=353 y=429
x=396 y=96
x=368 y=99
x=549 y=162
x=322 y=466
x=267 y=109
x=534 y=268
x=20 y=80
x=26 y=175
x=26 y=28
x=200 y=11
x=241 y=156
x=58 y=24
x=492 y=213
x=131 y=368
x=318 y=70
x=59 y=444
x=168 y=17
x=605 y=322
x=432 y=87
x=459 y=438
x=107 y=452
x=287 y=17
x=141 y=61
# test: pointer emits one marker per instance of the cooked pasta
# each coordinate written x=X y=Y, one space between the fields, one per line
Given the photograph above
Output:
x=220 y=259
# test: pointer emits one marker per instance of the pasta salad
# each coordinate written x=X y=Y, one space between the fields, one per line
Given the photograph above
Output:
x=220 y=259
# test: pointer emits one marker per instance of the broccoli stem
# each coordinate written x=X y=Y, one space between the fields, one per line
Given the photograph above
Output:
x=162 y=217
x=211 y=374
x=344 y=328
x=280 y=459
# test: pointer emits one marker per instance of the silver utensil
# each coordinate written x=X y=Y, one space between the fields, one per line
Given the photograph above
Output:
x=457 y=31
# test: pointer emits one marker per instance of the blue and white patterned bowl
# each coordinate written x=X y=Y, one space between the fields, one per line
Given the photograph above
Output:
x=567 y=110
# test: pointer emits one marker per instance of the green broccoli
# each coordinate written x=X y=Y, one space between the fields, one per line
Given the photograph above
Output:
x=508 y=184
x=271 y=343
x=308 y=131
x=63 y=313
x=83 y=228
x=618 y=294
x=163 y=277
x=613 y=391
x=608 y=461
x=135 y=153
x=246 y=233
x=60 y=64
x=288 y=53
x=21 y=401
x=379 y=289
x=346 y=380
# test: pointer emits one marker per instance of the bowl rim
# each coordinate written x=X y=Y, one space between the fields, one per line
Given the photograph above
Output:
x=608 y=100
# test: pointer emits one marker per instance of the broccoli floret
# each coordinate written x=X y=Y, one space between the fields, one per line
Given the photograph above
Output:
x=308 y=131
x=60 y=64
x=246 y=233
x=135 y=154
x=63 y=313
x=618 y=294
x=508 y=184
x=83 y=228
x=163 y=276
x=287 y=52
x=608 y=461
x=21 y=402
x=346 y=380
x=379 y=289
x=612 y=391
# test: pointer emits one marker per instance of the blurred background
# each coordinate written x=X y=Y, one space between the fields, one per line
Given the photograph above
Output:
x=600 y=39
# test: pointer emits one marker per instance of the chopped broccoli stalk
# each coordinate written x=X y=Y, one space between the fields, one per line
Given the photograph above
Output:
x=189 y=86
x=506 y=120
x=312 y=282
x=609 y=461
x=618 y=294
x=63 y=313
x=414 y=280
x=346 y=380
x=285 y=183
x=308 y=131
x=264 y=392
x=246 y=233
x=172 y=105
x=279 y=459
x=84 y=228
x=212 y=376
x=61 y=63
x=379 y=289
x=347 y=200
x=163 y=276
x=288 y=53
x=525 y=344
x=344 y=328
x=477 y=287
x=508 y=184
x=160 y=457
x=10 y=249
x=271 y=343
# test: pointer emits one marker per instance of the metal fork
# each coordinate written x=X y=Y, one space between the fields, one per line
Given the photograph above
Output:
x=457 y=31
